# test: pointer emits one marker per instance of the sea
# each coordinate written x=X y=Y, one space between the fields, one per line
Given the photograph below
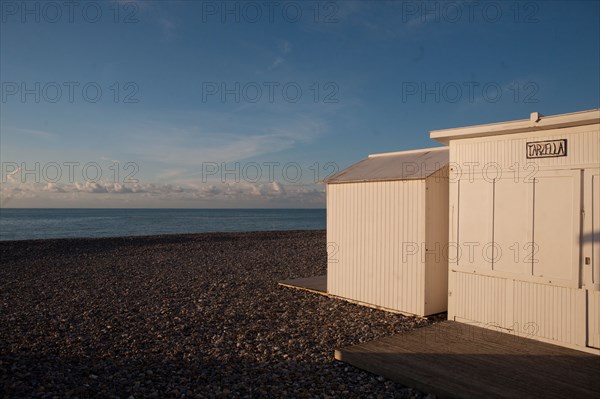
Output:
x=28 y=224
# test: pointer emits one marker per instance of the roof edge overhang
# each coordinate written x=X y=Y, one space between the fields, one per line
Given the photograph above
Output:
x=536 y=122
x=383 y=154
x=325 y=181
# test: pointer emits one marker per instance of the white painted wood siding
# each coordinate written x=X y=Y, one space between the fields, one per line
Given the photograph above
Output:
x=554 y=299
x=534 y=310
x=376 y=236
x=508 y=151
x=479 y=298
x=594 y=319
x=436 y=238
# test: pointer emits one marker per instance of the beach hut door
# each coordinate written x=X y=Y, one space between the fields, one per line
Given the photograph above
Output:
x=591 y=254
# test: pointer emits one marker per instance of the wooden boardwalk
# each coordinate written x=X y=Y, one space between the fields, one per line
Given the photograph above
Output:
x=458 y=360
x=316 y=284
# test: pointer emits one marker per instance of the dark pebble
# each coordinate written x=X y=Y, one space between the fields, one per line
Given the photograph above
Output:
x=180 y=316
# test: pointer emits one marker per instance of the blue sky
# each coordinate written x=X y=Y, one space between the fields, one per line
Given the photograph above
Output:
x=271 y=92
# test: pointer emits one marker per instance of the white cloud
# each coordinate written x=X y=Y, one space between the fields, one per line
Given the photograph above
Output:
x=170 y=174
x=109 y=159
x=189 y=149
x=90 y=187
x=221 y=194
x=168 y=26
x=285 y=46
x=12 y=176
x=54 y=188
x=277 y=187
x=278 y=61
x=238 y=148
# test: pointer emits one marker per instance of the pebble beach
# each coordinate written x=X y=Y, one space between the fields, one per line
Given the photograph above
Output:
x=181 y=316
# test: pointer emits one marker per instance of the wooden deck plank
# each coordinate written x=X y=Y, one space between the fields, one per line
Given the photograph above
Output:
x=459 y=360
x=316 y=283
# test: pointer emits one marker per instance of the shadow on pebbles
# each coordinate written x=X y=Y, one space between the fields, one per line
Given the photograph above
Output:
x=180 y=316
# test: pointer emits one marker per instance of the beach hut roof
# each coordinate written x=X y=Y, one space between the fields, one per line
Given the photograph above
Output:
x=403 y=165
x=536 y=122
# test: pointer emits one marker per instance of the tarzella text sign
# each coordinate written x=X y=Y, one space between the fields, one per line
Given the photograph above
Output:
x=547 y=149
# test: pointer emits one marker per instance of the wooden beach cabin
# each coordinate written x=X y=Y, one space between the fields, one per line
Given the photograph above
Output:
x=524 y=214
x=523 y=262
x=387 y=230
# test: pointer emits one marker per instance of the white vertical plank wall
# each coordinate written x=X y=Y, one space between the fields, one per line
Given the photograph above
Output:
x=369 y=224
x=436 y=242
x=552 y=300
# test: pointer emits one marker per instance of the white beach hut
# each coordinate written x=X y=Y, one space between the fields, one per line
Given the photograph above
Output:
x=387 y=226
x=524 y=220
